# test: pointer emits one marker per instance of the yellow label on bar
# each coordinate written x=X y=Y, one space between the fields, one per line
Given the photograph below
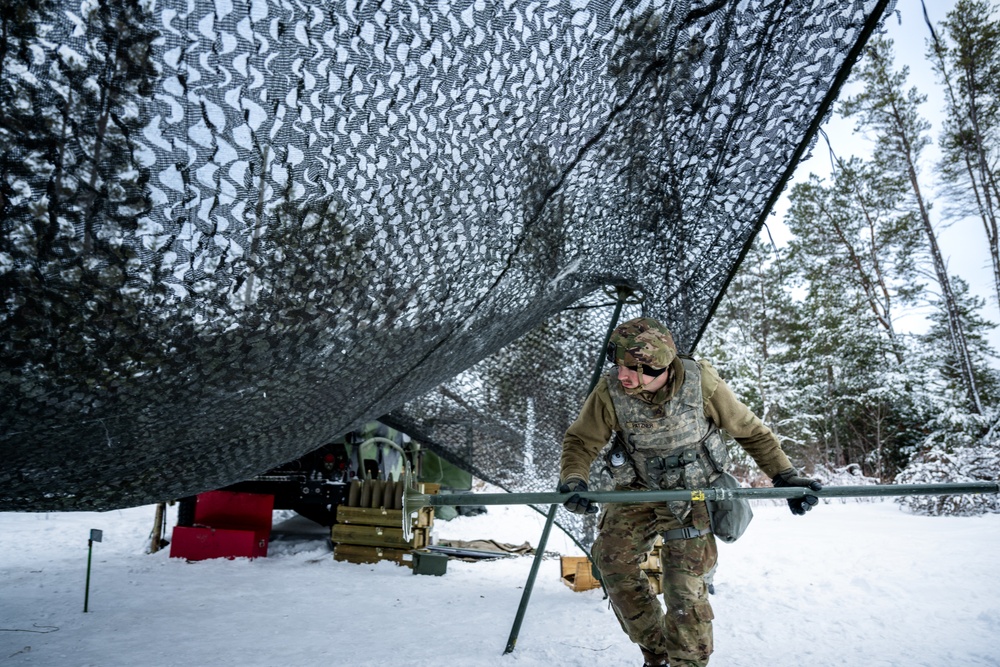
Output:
x=697 y=495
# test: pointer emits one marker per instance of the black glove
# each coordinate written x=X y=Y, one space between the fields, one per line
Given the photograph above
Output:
x=791 y=477
x=575 y=503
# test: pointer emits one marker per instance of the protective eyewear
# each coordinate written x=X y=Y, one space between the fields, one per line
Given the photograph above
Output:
x=611 y=354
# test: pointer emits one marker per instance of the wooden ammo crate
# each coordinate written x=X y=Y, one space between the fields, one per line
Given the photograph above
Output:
x=368 y=534
x=353 y=553
x=370 y=516
x=653 y=568
x=378 y=536
x=576 y=573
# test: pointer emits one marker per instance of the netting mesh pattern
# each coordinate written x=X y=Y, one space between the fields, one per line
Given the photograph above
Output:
x=233 y=230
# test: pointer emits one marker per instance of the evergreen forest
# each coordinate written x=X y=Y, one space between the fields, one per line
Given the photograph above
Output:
x=810 y=334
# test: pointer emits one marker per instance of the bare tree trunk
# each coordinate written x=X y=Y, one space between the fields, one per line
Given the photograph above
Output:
x=834 y=441
x=959 y=345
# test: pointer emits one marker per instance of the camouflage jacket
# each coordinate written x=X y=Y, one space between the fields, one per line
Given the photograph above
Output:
x=598 y=421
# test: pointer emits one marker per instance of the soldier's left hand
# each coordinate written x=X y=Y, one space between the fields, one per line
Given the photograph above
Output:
x=791 y=477
x=575 y=503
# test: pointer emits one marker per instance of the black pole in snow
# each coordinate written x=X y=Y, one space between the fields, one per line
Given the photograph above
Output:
x=95 y=536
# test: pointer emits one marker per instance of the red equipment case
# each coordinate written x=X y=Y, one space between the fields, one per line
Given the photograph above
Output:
x=226 y=525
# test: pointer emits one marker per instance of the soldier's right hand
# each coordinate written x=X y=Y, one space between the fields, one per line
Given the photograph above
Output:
x=575 y=503
x=791 y=477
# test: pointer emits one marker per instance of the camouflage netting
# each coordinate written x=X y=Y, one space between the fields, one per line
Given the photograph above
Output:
x=233 y=230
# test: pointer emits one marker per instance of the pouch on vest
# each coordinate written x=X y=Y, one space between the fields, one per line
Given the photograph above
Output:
x=619 y=464
x=731 y=517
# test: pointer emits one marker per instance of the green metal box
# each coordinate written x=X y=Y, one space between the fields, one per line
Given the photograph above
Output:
x=427 y=562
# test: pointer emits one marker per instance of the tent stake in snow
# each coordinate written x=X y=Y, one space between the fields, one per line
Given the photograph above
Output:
x=95 y=536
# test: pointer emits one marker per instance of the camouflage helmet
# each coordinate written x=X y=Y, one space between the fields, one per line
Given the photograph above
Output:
x=642 y=341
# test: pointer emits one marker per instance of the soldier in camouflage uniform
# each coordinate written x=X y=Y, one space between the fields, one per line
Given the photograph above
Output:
x=665 y=412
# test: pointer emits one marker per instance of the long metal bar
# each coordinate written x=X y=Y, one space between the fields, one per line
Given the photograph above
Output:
x=416 y=500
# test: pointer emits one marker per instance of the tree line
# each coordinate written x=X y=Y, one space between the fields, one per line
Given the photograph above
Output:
x=810 y=334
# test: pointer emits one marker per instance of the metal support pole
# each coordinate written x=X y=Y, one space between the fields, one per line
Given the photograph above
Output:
x=532 y=575
x=623 y=293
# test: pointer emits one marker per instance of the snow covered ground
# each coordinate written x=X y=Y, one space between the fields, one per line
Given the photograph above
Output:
x=854 y=584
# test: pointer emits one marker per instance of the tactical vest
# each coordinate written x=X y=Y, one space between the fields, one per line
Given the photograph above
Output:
x=670 y=446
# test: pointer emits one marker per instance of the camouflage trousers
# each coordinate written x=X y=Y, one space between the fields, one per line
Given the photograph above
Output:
x=626 y=534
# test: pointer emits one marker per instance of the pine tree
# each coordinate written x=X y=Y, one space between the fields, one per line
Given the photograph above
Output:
x=967 y=60
x=892 y=114
x=955 y=446
x=853 y=233
x=981 y=352
x=857 y=396
x=105 y=94
x=24 y=138
x=853 y=253
x=745 y=340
